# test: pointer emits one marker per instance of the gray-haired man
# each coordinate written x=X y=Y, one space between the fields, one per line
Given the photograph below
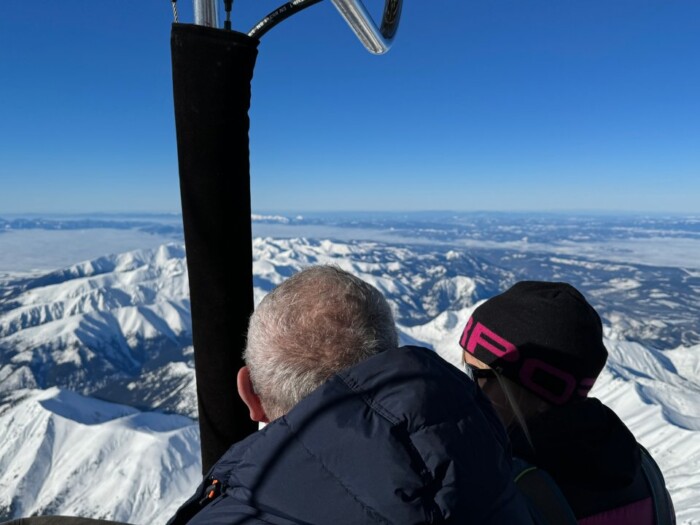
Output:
x=360 y=431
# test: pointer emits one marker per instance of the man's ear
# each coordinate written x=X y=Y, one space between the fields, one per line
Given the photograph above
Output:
x=249 y=397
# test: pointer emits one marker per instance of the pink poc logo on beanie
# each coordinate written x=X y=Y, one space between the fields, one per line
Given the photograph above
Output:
x=547 y=381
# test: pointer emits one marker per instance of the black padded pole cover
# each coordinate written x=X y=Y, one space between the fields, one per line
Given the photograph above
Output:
x=212 y=72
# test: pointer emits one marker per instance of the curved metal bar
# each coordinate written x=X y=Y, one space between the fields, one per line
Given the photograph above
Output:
x=377 y=40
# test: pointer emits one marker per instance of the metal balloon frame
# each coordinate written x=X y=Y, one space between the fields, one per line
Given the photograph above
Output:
x=376 y=38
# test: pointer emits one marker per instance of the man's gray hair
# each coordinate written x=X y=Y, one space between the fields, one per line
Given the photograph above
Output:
x=313 y=325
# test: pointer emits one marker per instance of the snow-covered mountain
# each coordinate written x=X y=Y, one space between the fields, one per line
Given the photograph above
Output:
x=118 y=328
x=112 y=327
x=63 y=453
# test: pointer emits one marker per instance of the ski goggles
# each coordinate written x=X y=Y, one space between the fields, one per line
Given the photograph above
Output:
x=477 y=373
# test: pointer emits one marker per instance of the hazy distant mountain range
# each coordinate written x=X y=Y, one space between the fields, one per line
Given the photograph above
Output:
x=440 y=226
x=117 y=328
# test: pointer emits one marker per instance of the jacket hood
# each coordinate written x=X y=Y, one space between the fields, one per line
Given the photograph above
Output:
x=583 y=443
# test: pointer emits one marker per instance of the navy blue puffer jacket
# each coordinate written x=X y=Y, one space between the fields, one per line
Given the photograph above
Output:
x=401 y=438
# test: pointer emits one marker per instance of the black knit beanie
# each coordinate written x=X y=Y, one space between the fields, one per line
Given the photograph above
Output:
x=542 y=335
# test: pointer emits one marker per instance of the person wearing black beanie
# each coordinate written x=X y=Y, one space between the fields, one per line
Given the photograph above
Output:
x=536 y=350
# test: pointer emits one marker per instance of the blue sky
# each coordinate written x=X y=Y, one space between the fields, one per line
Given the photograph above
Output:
x=480 y=105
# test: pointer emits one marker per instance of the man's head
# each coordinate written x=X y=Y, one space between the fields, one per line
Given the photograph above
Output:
x=316 y=323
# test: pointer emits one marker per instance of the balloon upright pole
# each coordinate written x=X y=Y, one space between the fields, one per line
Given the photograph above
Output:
x=212 y=72
x=206 y=13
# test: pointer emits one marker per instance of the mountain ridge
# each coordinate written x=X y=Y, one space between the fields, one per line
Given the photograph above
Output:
x=117 y=328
